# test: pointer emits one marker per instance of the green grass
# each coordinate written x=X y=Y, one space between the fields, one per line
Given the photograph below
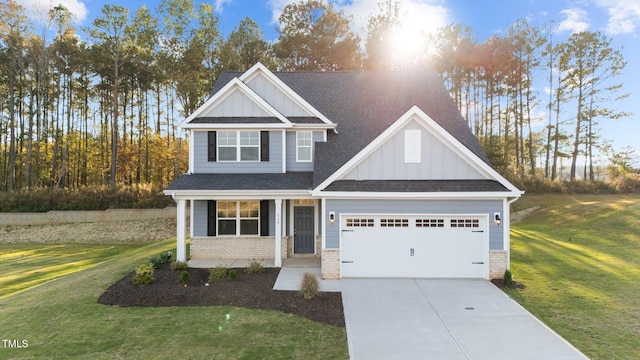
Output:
x=579 y=257
x=61 y=319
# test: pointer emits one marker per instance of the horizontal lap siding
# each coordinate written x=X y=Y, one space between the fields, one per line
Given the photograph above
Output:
x=414 y=207
x=203 y=166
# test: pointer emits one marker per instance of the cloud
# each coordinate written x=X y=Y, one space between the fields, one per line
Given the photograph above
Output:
x=38 y=10
x=577 y=20
x=218 y=5
x=624 y=15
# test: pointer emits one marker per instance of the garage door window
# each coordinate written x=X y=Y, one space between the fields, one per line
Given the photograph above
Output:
x=394 y=222
x=430 y=223
x=465 y=223
x=360 y=222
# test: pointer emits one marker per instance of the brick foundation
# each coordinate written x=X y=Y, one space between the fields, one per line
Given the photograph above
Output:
x=258 y=247
x=497 y=264
x=330 y=264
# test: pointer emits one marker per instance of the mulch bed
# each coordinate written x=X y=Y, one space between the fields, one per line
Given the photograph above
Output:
x=248 y=290
x=514 y=285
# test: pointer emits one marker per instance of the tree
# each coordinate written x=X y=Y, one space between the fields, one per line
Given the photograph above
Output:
x=589 y=64
x=245 y=47
x=381 y=25
x=313 y=36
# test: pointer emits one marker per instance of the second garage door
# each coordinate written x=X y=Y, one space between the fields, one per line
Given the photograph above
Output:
x=424 y=246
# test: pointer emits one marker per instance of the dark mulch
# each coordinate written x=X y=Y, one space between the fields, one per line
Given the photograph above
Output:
x=249 y=290
x=514 y=285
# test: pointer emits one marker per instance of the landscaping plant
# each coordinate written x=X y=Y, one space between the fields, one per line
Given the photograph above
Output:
x=233 y=275
x=217 y=273
x=508 y=279
x=254 y=267
x=179 y=266
x=310 y=286
x=184 y=277
x=144 y=275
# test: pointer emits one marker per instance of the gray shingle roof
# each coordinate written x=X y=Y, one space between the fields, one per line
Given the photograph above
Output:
x=415 y=185
x=365 y=103
x=275 y=181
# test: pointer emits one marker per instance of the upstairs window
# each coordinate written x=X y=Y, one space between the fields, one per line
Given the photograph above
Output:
x=238 y=145
x=304 y=142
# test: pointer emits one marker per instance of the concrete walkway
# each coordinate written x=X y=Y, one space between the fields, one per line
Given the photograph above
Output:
x=443 y=319
x=292 y=271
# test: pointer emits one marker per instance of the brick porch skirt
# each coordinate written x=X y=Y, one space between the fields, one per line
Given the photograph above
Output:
x=244 y=247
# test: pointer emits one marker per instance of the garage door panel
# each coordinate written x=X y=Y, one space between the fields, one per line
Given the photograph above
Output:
x=414 y=246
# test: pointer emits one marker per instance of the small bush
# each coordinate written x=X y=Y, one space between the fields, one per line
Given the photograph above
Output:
x=144 y=275
x=254 y=267
x=184 y=277
x=217 y=273
x=233 y=275
x=310 y=286
x=160 y=261
x=508 y=278
x=179 y=266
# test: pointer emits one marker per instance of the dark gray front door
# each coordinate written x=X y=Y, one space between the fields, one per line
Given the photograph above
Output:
x=303 y=238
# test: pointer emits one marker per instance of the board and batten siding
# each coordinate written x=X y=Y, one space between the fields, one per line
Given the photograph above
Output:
x=200 y=217
x=237 y=104
x=292 y=164
x=437 y=161
x=275 y=97
x=448 y=207
x=203 y=166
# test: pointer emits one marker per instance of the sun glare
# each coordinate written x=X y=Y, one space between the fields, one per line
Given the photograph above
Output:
x=409 y=40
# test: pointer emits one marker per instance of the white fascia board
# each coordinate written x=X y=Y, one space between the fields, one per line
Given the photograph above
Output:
x=234 y=85
x=416 y=113
x=238 y=126
x=236 y=195
x=299 y=126
x=259 y=68
x=467 y=195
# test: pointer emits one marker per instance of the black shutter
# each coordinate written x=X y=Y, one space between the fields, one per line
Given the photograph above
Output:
x=264 y=217
x=212 y=218
x=212 y=146
x=264 y=146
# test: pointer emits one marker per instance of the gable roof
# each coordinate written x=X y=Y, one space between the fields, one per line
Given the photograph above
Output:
x=364 y=104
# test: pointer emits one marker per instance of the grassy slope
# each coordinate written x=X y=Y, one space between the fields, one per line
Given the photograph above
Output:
x=61 y=319
x=579 y=257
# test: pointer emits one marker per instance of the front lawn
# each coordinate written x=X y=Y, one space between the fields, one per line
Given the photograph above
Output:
x=579 y=257
x=62 y=319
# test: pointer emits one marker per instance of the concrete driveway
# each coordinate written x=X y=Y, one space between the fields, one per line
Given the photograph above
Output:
x=443 y=319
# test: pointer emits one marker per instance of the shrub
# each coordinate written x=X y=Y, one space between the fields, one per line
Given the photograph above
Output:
x=144 y=275
x=179 y=266
x=160 y=261
x=233 y=275
x=254 y=267
x=508 y=279
x=218 y=273
x=184 y=277
x=310 y=286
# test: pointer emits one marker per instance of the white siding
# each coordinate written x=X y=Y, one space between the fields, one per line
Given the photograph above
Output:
x=237 y=104
x=437 y=161
x=276 y=98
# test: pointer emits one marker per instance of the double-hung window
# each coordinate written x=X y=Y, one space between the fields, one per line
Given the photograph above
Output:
x=238 y=145
x=304 y=144
x=238 y=217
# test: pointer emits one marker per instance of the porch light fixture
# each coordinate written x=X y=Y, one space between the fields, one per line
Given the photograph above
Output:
x=496 y=218
x=332 y=217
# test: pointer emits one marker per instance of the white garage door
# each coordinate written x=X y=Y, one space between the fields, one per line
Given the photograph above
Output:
x=432 y=246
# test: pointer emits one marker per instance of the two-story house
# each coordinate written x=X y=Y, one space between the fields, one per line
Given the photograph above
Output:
x=375 y=172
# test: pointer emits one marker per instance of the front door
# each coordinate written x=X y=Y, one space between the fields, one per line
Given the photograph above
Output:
x=303 y=232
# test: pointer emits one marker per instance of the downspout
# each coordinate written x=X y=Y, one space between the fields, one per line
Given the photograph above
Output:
x=507 y=214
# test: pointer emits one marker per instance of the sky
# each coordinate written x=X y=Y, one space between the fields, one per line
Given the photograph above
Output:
x=617 y=19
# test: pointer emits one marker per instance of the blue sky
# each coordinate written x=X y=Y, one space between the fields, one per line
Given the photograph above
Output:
x=618 y=19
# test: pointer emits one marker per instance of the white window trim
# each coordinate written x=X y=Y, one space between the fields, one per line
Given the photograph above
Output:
x=238 y=147
x=237 y=219
x=298 y=146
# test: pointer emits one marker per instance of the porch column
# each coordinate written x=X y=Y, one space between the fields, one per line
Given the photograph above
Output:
x=181 y=236
x=278 y=258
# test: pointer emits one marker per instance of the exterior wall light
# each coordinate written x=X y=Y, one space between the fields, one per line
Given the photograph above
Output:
x=332 y=217
x=496 y=218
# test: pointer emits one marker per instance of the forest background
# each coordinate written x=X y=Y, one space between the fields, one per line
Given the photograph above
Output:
x=80 y=118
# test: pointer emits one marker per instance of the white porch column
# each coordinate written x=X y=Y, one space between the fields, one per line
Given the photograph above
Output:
x=278 y=261
x=181 y=238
